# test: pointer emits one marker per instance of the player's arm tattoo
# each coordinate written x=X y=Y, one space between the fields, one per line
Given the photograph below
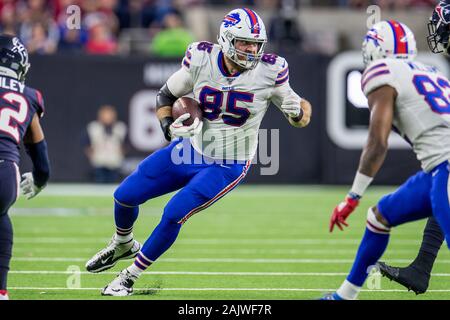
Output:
x=381 y=104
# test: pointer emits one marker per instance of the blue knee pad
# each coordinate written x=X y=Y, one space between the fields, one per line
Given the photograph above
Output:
x=124 y=196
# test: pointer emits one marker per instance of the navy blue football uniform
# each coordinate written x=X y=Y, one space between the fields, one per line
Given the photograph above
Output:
x=18 y=104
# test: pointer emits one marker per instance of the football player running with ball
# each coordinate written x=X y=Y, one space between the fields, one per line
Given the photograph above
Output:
x=234 y=81
x=414 y=99
x=21 y=107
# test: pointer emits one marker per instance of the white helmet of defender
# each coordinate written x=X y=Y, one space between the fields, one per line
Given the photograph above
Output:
x=242 y=24
x=389 y=39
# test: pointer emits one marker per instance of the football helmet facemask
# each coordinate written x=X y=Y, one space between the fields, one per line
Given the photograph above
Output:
x=438 y=29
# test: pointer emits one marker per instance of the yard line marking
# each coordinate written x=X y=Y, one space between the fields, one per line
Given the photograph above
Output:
x=71 y=212
x=223 y=289
x=91 y=189
x=308 y=241
x=191 y=273
x=59 y=189
x=232 y=251
x=48 y=259
x=221 y=260
x=207 y=273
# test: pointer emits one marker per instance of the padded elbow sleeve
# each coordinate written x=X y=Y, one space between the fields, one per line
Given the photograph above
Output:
x=164 y=97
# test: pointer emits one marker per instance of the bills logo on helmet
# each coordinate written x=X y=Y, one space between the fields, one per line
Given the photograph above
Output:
x=231 y=20
x=372 y=34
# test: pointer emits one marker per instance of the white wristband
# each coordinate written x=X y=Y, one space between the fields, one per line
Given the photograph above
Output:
x=360 y=183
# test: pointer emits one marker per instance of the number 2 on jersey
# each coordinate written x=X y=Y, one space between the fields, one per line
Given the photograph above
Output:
x=211 y=101
x=436 y=93
x=9 y=117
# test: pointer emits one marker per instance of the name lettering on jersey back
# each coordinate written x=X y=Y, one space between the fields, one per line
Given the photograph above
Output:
x=421 y=67
x=11 y=84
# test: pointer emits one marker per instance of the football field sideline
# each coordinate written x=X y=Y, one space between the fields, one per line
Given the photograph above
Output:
x=95 y=190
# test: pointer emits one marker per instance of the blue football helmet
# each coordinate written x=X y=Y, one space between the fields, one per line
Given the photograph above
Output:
x=13 y=58
x=438 y=28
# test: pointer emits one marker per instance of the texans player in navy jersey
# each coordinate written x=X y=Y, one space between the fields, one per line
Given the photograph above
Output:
x=20 y=110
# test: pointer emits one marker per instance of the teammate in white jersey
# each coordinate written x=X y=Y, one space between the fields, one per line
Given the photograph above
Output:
x=414 y=99
x=416 y=275
x=234 y=82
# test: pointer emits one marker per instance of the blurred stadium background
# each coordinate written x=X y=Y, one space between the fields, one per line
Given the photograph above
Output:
x=125 y=50
x=120 y=56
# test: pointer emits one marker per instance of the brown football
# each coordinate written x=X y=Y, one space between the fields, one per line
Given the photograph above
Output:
x=187 y=105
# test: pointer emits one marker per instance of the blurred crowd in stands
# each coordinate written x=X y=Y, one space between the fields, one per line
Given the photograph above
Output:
x=42 y=24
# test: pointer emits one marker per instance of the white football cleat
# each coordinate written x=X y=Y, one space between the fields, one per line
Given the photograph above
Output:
x=4 y=295
x=121 y=286
x=115 y=251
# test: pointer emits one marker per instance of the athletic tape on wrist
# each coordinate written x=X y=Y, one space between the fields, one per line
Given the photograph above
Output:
x=360 y=183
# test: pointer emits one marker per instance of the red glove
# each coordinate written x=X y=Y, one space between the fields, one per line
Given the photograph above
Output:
x=342 y=211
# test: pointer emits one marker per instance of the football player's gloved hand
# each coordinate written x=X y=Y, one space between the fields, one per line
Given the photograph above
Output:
x=343 y=210
x=177 y=129
x=29 y=189
x=291 y=106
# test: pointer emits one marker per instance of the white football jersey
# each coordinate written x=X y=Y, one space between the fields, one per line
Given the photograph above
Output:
x=233 y=105
x=422 y=106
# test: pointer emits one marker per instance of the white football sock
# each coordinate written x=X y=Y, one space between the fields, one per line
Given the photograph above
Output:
x=348 y=291
x=135 y=270
x=123 y=239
